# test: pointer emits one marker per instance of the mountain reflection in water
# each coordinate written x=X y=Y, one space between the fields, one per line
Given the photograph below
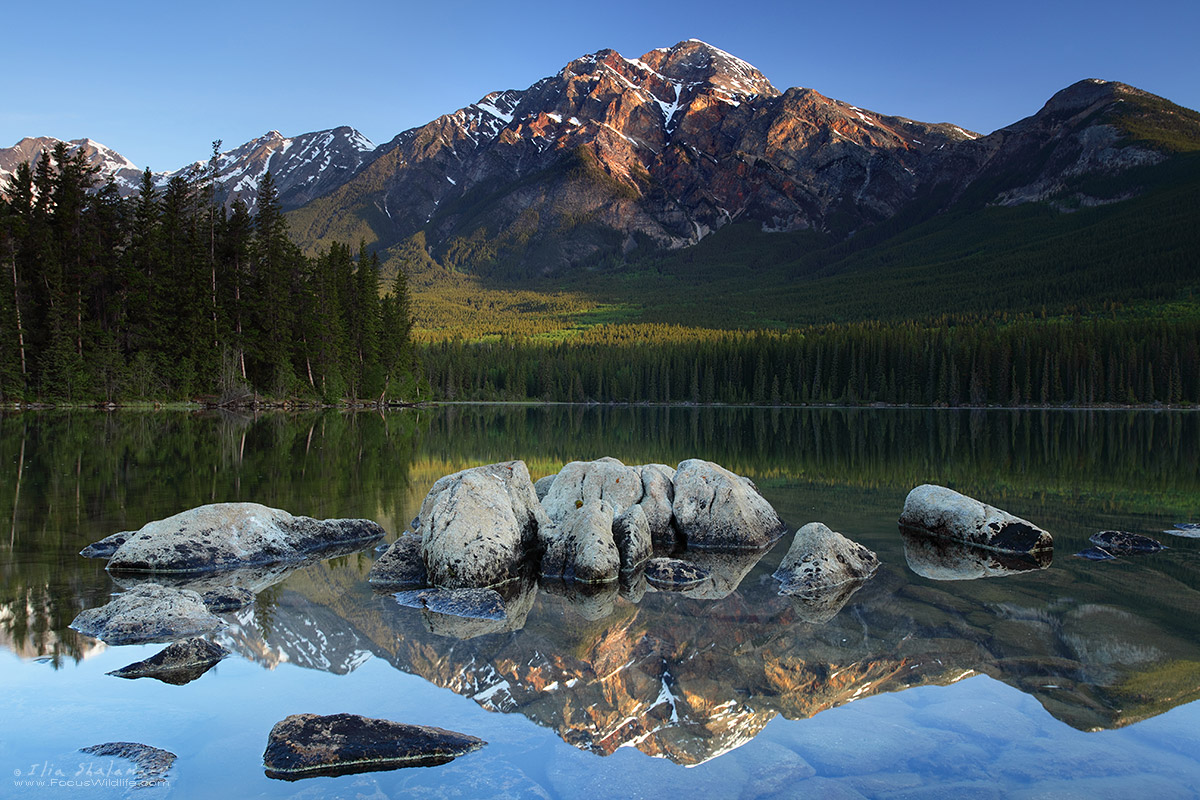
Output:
x=684 y=675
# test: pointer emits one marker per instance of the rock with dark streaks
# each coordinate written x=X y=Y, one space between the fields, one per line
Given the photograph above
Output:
x=179 y=663
x=221 y=599
x=821 y=559
x=944 y=512
x=673 y=574
x=308 y=745
x=231 y=535
x=718 y=510
x=106 y=546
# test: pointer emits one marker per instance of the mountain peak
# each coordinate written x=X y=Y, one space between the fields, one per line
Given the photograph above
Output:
x=697 y=62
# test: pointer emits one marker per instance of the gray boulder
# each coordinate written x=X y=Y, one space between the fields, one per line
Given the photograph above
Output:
x=581 y=547
x=177 y=664
x=581 y=482
x=148 y=613
x=718 y=510
x=478 y=524
x=307 y=745
x=658 y=497
x=944 y=512
x=400 y=565
x=821 y=559
x=541 y=486
x=228 y=535
x=631 y=534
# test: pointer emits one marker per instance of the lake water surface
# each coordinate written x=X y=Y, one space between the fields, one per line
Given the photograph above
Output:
x=1068 y=678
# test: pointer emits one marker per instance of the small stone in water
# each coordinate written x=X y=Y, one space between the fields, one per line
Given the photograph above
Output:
x=1123 y=543
x=1096 y=554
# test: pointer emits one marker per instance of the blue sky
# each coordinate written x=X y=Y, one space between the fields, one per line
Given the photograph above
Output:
x=158 y=81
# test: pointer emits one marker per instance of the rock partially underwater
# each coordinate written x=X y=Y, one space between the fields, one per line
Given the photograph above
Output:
x=106 y=546
x=152 y=763
x=179 y=663
x=1124 y=543
x=400 y=565
x=944 y=512
x=821 y=559
x=716 y=509
x=148 y=613
x=308 y=745
x=230 y=535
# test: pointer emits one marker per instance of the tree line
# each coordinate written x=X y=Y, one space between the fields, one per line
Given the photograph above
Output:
x=946 y=362
x=174 y=294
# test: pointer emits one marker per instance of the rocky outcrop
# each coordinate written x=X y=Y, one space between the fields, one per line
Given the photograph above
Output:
x=400 y=565
x=179 y=663
x=580 y=482
x=944 y=512
x=1124 y=543
x=148 y=613
x=231 y=535
x=478 y=525
x=308 y=745
x=716 y=509
x=948 y=560
x=581 y=546
x=152 y=763
x=821 y=559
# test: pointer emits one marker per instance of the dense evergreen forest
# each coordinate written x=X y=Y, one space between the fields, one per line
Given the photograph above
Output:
x=175 y=295
x=178 y=295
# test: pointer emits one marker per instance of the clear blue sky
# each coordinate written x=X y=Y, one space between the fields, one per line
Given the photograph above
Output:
x=158 y=81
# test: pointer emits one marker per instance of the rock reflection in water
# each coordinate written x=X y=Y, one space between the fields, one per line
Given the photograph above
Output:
x=946 y=560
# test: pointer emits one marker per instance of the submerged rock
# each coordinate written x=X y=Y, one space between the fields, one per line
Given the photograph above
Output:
x=148 y=613
x=179 y=663
x=716 y=509
x=673 y=574
x=820 y=559
x=471 y=603
x=400 y=565
x=1188 y=530
x=581 y=546
x=818 y=608
x=1095 y=554
x=221 y=599
x=152 y=763
x=478 y=524
x=307 y=745
x=947 y=560
x=106 y=546
x=229 y=535
x=944 y=512
x=1123 y=543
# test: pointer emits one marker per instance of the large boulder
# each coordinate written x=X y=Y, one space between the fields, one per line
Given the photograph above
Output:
x=579 y=482
x=718 y=510
x=946 y=513
x=177 y=664
x=477 y=526
x=658 y=497
x=821 y=559
x=228 y=535
x=148 y=613
x=307 y=745
x=631 y=534
x=581 y=547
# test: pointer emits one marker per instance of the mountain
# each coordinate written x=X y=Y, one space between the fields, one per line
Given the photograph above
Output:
x=303 y=167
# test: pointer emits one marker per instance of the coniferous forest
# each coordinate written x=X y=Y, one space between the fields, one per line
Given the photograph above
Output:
x=173 y=294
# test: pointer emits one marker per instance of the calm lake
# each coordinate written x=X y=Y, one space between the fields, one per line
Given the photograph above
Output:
x=1066 y=678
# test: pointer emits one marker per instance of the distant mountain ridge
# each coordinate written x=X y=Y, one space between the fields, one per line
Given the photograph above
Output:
x=613 y=156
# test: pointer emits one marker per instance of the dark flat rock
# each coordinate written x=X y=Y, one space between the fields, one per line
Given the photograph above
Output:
x=1124 y=543
x=106 y=546
x=308 y=745
x=227 y=598
x=1095 y=554
x=152 y=763
x=177 y=664
x=673 y=574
